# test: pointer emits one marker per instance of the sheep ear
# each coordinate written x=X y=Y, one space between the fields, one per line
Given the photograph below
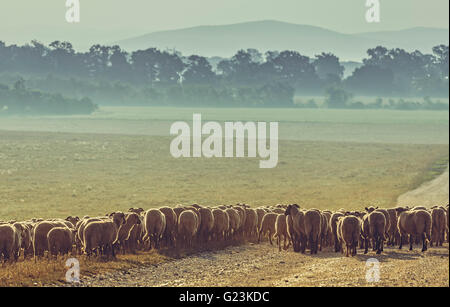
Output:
x=376 y=207
x=366 y=209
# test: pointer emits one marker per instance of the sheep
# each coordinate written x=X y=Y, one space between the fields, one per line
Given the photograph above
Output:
x=387 y=219
x=414 y=223
x=268 y=226
x=40 y=232
x=377 y=229
x=81 y=225
x=439 y=224
x=101 y=235
x=328 y=236
x=27 y=243
x=348 y=230
x=171 y=225
x=221 y=224
x=187 y=228
x=323 y=231
x=313 y=226
x=242 y=216
x=234 y=221
x=334 y=230
x=135 y=236
x=296 y=227
x=206 y=224
x=251 y=223
x=8 y=242
x=131 y=219
x=393 y=230
x=260 y=212
x=60 y=241
x=281 y=231
x=154 y=225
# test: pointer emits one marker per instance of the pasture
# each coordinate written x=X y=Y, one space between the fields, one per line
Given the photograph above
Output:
x=119 y=158
x=345 y=159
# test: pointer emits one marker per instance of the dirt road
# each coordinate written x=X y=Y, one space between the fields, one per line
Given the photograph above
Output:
x=262 y=264
x=428 y=194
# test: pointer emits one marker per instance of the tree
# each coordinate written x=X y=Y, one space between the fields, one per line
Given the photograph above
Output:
x=198 y=71
x=328 y=67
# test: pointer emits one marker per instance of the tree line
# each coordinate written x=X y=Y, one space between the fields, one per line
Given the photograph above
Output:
x=19 y=100
x=110 y=75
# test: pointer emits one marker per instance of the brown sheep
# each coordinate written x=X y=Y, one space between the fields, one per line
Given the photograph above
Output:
x=234 y=221
x=334 y=230
x=154 y=225
x=242 y=216
x=8 y=242
x=206 y=224
x=221 y=224
x=313 y=226
x=349 y=230
x=392 y=232
x=268 y=226
x=251 y=223
x=439 y=224
x=135 y=236
x=387 y=219
x=414 y=223
x=60 y=241
x=101 y=235
x=40 y=232
x=296 y=227
x=328 y=236
x=131 y=219
x=281 y=231
x=171 y=225
x=377 y=229
x=187 y=228
x=260 y=212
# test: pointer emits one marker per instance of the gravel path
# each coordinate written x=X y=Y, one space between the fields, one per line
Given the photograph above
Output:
x=263 y=265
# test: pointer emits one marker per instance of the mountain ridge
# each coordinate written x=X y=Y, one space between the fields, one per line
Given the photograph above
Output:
x=225 y=40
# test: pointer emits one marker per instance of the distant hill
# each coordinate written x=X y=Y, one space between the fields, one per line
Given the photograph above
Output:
x=225 y=40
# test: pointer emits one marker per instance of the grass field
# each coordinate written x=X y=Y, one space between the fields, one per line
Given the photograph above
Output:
x=48 y=174
x=366 y=126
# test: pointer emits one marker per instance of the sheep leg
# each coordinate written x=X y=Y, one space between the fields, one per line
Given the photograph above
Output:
x=424 y=243
x=411 y=241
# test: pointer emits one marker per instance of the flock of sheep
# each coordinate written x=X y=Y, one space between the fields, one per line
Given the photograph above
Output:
x=185 y=227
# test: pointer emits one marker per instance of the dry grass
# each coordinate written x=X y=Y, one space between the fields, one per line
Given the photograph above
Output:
x=55 y=175
x=52 y=272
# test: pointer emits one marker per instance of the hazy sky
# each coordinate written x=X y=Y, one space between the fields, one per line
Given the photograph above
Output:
x=110 y=20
